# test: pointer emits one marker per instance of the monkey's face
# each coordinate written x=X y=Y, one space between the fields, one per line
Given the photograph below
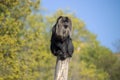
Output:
x=63 y=27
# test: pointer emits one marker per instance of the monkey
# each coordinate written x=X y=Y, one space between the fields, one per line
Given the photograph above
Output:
x=61 y=41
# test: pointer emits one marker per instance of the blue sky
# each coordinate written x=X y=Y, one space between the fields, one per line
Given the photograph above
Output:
x=102 y=17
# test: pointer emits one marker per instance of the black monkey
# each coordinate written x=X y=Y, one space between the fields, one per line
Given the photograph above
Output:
x=61 y=42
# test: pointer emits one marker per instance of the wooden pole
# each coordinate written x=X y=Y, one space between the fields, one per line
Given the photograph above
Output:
x=61 y=69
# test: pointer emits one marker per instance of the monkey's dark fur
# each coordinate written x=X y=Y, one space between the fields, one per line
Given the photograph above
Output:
x=61 y=42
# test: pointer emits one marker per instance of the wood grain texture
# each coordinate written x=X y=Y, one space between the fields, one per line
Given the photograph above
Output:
x=61 y=70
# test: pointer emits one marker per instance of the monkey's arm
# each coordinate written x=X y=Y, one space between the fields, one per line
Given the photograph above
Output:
x=56 y=46
x=53 y=46
x=70 y=47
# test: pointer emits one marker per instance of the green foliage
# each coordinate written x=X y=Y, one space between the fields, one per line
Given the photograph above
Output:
x=103 y=59
x=25 y=40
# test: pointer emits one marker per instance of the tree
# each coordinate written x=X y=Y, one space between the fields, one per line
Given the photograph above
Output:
x=116 y=44
x=13 y=64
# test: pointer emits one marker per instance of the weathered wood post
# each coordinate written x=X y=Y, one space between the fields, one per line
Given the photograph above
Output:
x=61 y=69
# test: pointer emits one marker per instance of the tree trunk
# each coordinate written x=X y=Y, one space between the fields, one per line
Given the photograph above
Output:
x=61 y=70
